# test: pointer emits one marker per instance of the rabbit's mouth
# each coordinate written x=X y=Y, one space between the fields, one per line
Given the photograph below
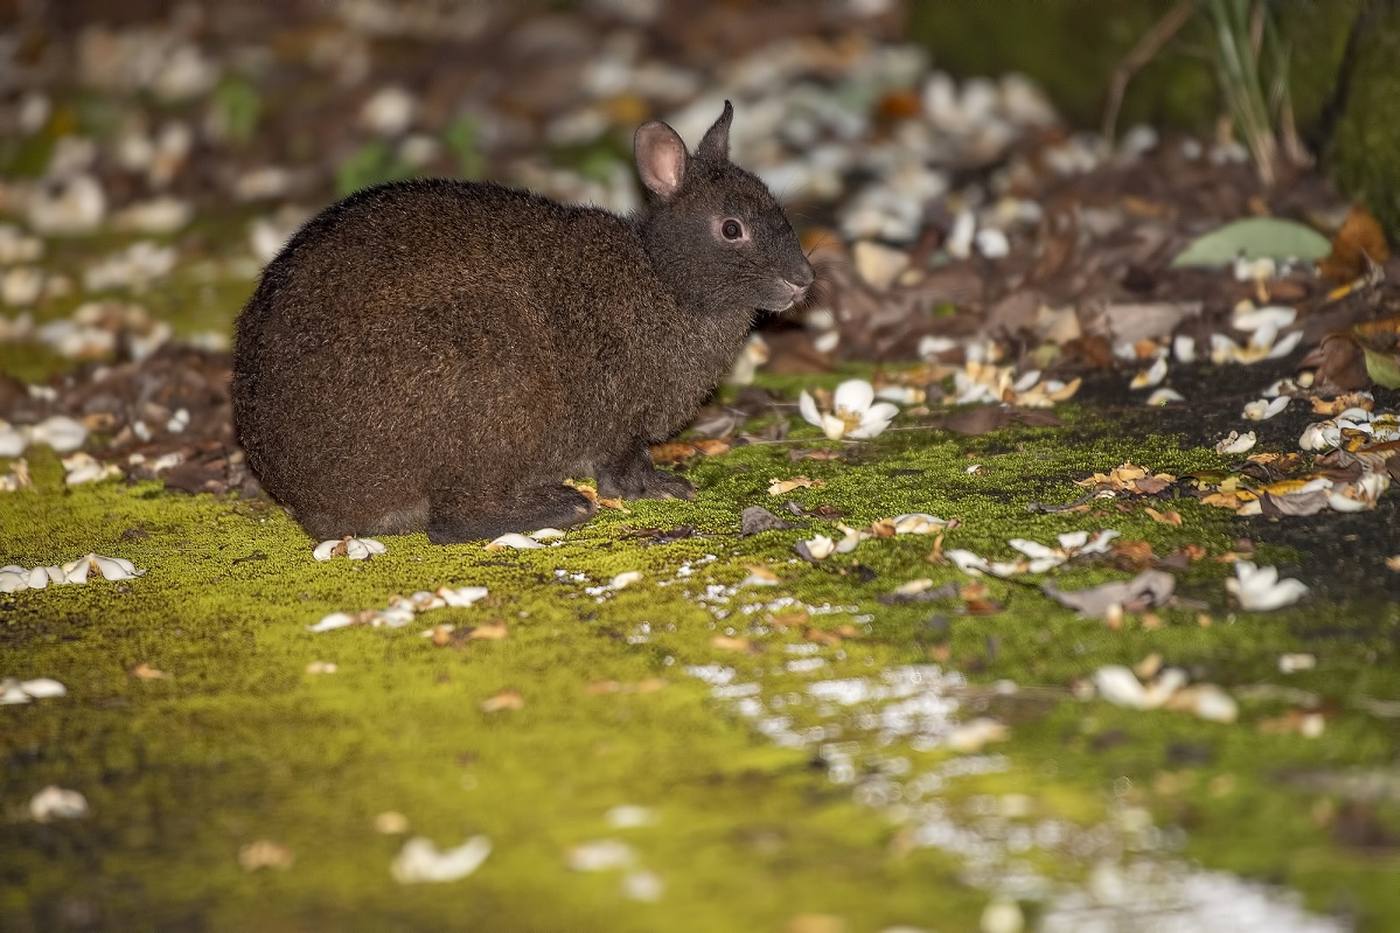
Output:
x=790 y=296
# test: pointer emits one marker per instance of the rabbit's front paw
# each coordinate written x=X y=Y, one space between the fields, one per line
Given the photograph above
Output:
x=639 y=481
x=658 y=484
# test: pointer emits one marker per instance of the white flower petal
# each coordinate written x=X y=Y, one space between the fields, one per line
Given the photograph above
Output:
x=60 y=432
x=514 y=540
x=463 y=596
x=1259 y=589
x=1120 y=686
x=880 y=411
x=1286 y=345
x=625 y=579
x=1252 y=319
x=421 y=861
x=12 y=582
x=1163 y=396
x=1032 y=549
x=42 y=688
x=333 y=621
x=1073 y=539
x=854 y=396
x=57 y=803
x=966 y=561
x=1236 y=443
x=1184 y=348
x=1151 y=376
x=869 y=429
x=808 y=407
x=1099 y=543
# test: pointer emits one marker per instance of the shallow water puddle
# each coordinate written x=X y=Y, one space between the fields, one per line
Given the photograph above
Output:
x=874 y=734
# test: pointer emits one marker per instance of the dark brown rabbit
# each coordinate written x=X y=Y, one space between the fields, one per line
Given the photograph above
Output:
x=440 y=354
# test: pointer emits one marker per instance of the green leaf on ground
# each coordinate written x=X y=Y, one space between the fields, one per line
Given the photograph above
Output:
x=1255 y=238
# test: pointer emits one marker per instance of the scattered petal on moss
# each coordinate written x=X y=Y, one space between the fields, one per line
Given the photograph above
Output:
x=513 y=540
x=353 y=548
x=1259 y=589
x=1236 y=443
x=421 y=861
x=57 y=803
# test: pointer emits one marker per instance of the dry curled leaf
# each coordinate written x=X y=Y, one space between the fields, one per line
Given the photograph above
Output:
x=681 y=451
x=759 y=575
x=778 y=487
x=1358 y=245
x=785 y=620
x=1166 y=518
x=1379 y=341
x=1129 y=478
x=821 y=636
x=490 y=631
x=144 y=671
x=731 y=643
x=591 y=494
x=505 y=700
x=265 y=853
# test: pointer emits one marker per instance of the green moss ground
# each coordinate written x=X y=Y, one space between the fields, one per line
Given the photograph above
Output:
x=241 y=744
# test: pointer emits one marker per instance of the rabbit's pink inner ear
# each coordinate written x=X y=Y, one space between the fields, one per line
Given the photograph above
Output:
x=661 y=158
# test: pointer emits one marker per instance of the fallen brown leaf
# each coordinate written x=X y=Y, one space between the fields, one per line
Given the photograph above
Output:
x=264 y=853
x=144 y=671
x=778 y=487
x=731 y=643
x=505 y=700
x=681 y=451
x=1340 y=403
x=786 y=620
x=489 y=631
x=1307 y=723
x=1129 y=478
x=898 y=105
x=1166 y=518
x=1359 y=244
x=761 y=574
x=1133 y=555
x=935 y=554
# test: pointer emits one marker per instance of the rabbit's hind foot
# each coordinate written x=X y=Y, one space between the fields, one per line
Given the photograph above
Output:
x=453 y=519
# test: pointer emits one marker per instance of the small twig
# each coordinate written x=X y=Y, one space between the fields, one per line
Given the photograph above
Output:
x=1146 y=49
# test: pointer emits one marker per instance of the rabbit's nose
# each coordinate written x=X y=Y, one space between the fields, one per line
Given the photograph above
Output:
x=801 y=278
x=799 y=281
x=798 y=291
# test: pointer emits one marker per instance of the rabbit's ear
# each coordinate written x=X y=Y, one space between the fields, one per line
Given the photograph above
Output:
x=661 y=157
x=715 y=145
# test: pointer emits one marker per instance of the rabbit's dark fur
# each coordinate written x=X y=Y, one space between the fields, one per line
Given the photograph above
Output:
x=440 y=355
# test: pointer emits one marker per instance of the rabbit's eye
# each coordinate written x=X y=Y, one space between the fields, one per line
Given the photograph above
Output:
x=732 y=229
